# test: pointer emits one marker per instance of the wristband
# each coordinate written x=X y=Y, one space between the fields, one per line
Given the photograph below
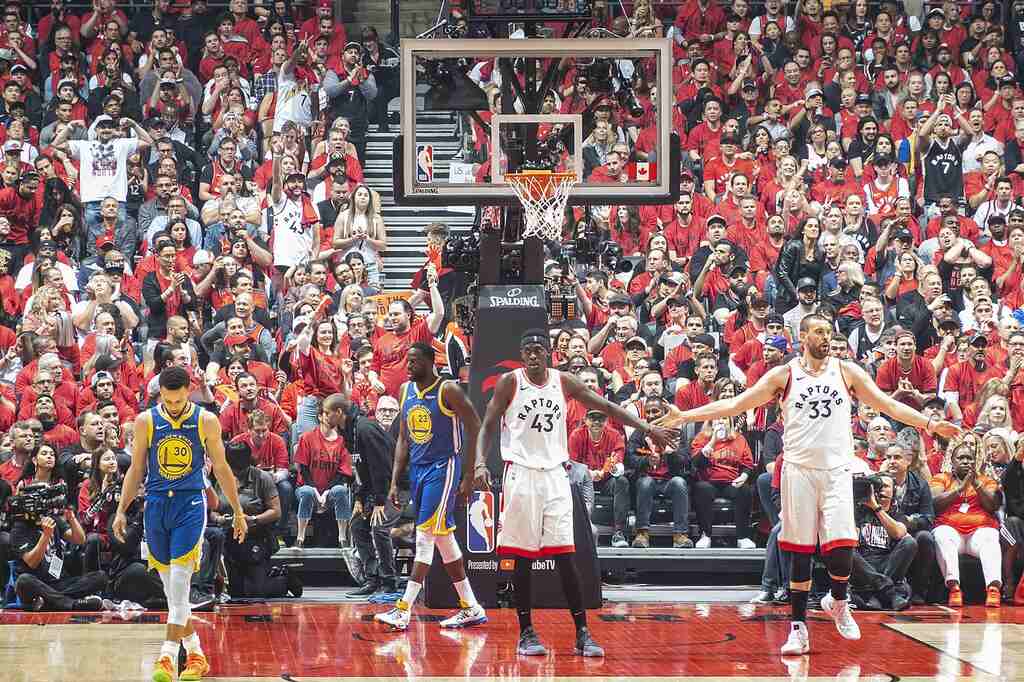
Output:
x=928 y=427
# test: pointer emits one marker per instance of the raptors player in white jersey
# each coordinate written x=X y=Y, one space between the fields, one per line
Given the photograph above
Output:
x=529 y=406
x=816 y=393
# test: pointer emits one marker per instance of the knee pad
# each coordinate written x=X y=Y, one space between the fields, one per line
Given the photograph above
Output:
x=839 y=562
x=179 y=580
x=424 y=547
x=800 y=568
x=448 y=548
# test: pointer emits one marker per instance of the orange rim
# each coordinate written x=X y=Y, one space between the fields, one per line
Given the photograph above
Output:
x=537 y=190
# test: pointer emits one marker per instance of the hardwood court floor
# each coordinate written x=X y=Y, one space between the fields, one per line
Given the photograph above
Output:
x=313 y=642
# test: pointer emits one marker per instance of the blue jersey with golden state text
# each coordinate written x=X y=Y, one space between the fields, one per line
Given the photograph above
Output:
x=177 y=451
x=433 y=430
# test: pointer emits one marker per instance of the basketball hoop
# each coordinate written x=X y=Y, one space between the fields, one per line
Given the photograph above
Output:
x=543 y=194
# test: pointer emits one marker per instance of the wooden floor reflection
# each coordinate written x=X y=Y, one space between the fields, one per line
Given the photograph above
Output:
x=310 y=642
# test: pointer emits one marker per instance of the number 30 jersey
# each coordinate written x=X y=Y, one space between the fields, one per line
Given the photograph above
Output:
x=818 y=417
x=177 y=451
x=533 y=431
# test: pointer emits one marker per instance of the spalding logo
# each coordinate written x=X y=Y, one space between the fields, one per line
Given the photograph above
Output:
x=514 y=298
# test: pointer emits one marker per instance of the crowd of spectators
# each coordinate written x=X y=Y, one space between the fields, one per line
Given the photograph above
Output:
x=184 y=187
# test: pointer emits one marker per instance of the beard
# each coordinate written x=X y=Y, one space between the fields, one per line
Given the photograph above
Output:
x=817 y=352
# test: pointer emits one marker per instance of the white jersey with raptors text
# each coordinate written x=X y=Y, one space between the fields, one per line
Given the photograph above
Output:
x=533 y=431
x=817 y=413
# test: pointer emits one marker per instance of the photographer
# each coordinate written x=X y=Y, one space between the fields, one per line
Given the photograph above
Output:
x=885 y=549
x=42 y=544
x=912 y=498
x=248 y=563
x=381 y=60
x=373 y=514
x=130 y=576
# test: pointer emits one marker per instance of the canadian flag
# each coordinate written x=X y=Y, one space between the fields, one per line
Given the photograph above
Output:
x=643 y=171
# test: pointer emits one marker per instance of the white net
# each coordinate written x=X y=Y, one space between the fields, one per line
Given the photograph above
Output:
x=543 y=196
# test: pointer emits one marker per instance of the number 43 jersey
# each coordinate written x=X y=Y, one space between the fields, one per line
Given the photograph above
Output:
x=817 y=413
x=533 y=431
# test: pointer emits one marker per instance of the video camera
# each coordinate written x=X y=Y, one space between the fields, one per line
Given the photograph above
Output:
x=602 y=74
x=863 y=486
x=589 y=248
x=462 y=253
x=38 y=500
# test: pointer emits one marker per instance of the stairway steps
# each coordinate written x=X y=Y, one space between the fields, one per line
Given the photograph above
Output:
x=405 y=255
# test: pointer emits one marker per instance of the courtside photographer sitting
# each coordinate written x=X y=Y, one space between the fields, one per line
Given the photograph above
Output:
x=43 y=533
x=130 y=576
x=250 y=574
x=885 y=549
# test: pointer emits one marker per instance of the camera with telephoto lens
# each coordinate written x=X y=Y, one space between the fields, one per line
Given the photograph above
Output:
x=462 y=253
x=602 y=74
x=864 y=485
x=38 y=500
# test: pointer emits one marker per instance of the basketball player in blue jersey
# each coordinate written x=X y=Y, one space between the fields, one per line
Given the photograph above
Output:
x=433 y=413
x=172 y=442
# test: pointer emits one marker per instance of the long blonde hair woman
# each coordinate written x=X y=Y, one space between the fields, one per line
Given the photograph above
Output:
x=360 y=228
x=995 y=412
x=47 y=315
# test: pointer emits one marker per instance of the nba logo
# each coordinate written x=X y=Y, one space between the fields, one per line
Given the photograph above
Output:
x=480 y=522
x=425 y=163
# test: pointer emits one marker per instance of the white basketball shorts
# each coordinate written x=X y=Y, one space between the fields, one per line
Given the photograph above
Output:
x=817 y=507
x=536 y=512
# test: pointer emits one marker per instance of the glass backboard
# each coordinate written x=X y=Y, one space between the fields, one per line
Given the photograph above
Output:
x=475 y=109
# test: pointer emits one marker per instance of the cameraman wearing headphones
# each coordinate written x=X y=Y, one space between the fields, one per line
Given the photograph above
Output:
x=248 y=563
x=42 y=545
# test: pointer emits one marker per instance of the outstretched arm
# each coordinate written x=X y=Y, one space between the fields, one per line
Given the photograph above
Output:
x=765 y=390
x=574 y=388
x=865 y=389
